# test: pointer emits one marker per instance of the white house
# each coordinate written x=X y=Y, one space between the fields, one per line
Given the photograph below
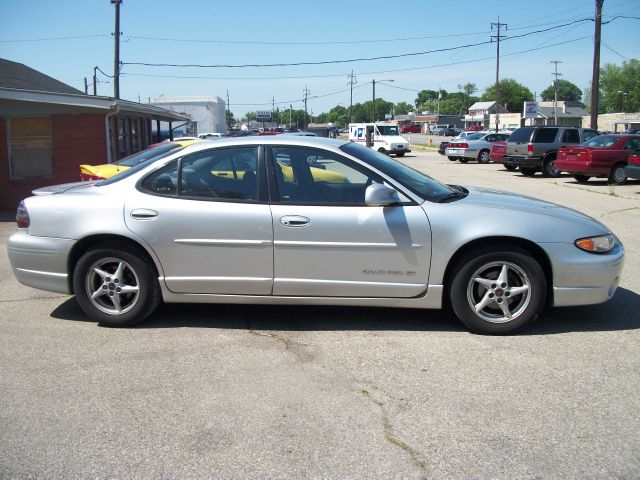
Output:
x=207 y=114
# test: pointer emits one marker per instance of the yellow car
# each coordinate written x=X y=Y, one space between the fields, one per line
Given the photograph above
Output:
x=107 y=170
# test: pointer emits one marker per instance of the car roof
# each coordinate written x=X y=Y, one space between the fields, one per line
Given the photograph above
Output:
x=297 y=140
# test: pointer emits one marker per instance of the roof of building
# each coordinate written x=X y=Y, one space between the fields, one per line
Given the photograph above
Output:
x=191 y=99
x=19 y=76
x=568 y=112
x=486 y=106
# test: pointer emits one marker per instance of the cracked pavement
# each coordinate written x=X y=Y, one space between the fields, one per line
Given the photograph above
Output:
x=228 y=391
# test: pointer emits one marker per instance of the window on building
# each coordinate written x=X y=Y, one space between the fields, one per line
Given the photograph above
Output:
x=30 y=140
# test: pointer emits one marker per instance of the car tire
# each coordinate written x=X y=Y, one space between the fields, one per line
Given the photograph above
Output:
x=582 y=178
x=400 y=154
x=452 y=159
x=497 y=290
x=527 y=171
x=511 y=168
x=116 y=287
x=483 y=156
x=549 y=169
x=463 y=160
x=617 y=175
x=382 y=150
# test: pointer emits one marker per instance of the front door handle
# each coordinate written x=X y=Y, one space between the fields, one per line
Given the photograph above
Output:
x=294 y=221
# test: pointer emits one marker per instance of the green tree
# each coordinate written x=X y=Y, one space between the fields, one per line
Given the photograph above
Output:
x=402 y=108
x=512 y=95
x=425 y=95
x=615 y=82
x=230 y=120
x=566 y=91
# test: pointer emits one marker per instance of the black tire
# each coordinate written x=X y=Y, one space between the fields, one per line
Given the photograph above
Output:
x=582 y=178
x=463 y=160
x=549 y=169
x=527 y=171
x=400 y=154
x=452 y=159
x=617 y=175
x=382 y=150
x=483 y=306
x=510 y=167
x=483 y=156
x=112 y=271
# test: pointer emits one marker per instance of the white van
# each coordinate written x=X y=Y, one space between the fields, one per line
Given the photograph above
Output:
x=384 y=137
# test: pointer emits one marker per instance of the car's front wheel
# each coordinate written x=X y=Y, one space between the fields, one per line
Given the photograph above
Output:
x=582 y=178
x=527 y=171
x=115 y=287
x=510 y=167
x=483 y=156
x=498 y=290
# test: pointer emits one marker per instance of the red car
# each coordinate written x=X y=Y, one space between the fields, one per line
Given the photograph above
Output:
x=474 y=128
x=601 y=156
x=411 y=129
x=497 y=152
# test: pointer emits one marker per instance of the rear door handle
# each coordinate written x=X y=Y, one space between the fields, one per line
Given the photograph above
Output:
x=294 y=221
x=143 y=214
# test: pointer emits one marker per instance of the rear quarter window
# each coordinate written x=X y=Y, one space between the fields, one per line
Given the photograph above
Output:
x=522 y=135
x=545 y=135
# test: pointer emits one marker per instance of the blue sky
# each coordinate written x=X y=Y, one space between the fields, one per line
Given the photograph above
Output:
x=67 y=38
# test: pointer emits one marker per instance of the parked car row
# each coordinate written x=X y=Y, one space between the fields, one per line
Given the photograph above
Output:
x=551 y=150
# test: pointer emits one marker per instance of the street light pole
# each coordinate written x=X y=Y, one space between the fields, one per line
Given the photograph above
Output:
x=373 y=103
x=622 y=94
x=116 y=58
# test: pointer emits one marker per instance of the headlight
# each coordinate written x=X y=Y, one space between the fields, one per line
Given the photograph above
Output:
x=600 y=244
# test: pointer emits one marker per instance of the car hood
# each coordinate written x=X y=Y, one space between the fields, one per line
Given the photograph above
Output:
x=64 y=187
x=499 y=199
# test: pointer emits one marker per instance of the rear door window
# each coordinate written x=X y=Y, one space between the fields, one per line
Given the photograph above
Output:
x=571 y=135
x=545 y=135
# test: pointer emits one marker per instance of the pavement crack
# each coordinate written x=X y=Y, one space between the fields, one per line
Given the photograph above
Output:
x=300 y=350
x=392 y=437
x=44 y=297
x=618 y=211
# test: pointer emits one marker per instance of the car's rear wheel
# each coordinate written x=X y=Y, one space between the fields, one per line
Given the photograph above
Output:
x=617 y=175
x=527 y=171
x=510 y=167
x=452 y=159
x=549 y=168
x=400 y=154
x=498 y=290
x=115 y=287
x=382 y=150
x=582 y=178
x=483 y=156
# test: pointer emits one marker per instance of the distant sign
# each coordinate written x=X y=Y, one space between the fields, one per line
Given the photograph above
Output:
x=263 y=116
x=530 y=109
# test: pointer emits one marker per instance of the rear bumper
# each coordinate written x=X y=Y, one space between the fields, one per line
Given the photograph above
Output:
x=461 y=152
x=522 y=161
x=40 y=262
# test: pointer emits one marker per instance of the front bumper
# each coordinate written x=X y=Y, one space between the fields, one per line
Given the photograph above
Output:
x=40 y=262
x=582 y=278
x=632 y=171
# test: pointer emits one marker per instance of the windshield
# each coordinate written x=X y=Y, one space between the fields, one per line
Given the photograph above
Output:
x=419 y=183
x=388 y=129
x=141 y=164
x=601 y=141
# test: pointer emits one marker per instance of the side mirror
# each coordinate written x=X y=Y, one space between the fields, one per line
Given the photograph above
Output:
x=379 y=195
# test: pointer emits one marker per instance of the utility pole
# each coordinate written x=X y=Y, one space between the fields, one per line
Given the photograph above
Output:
x=116 y=58
x=352 y=80
x=273 y=110
x=497 y=38
x=290 y=108
x=373 y=103
x=95 y=81
x=306 y=96
x=555 y=90
x=595 y=79
x=86 y=86
x=228 y=111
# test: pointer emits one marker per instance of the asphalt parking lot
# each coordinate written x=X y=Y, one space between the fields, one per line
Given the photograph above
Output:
x=213 y=391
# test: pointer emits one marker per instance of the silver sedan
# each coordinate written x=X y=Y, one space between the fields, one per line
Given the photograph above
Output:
x=475 y=146
x=302 y=220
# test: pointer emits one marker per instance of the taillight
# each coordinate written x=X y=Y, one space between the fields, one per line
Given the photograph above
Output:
x=461 y=145
x=634 y=159
x=22 y=216
x=530 y=148
x=87 y=177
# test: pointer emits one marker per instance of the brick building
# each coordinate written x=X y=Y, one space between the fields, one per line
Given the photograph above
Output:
x=48 y=129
